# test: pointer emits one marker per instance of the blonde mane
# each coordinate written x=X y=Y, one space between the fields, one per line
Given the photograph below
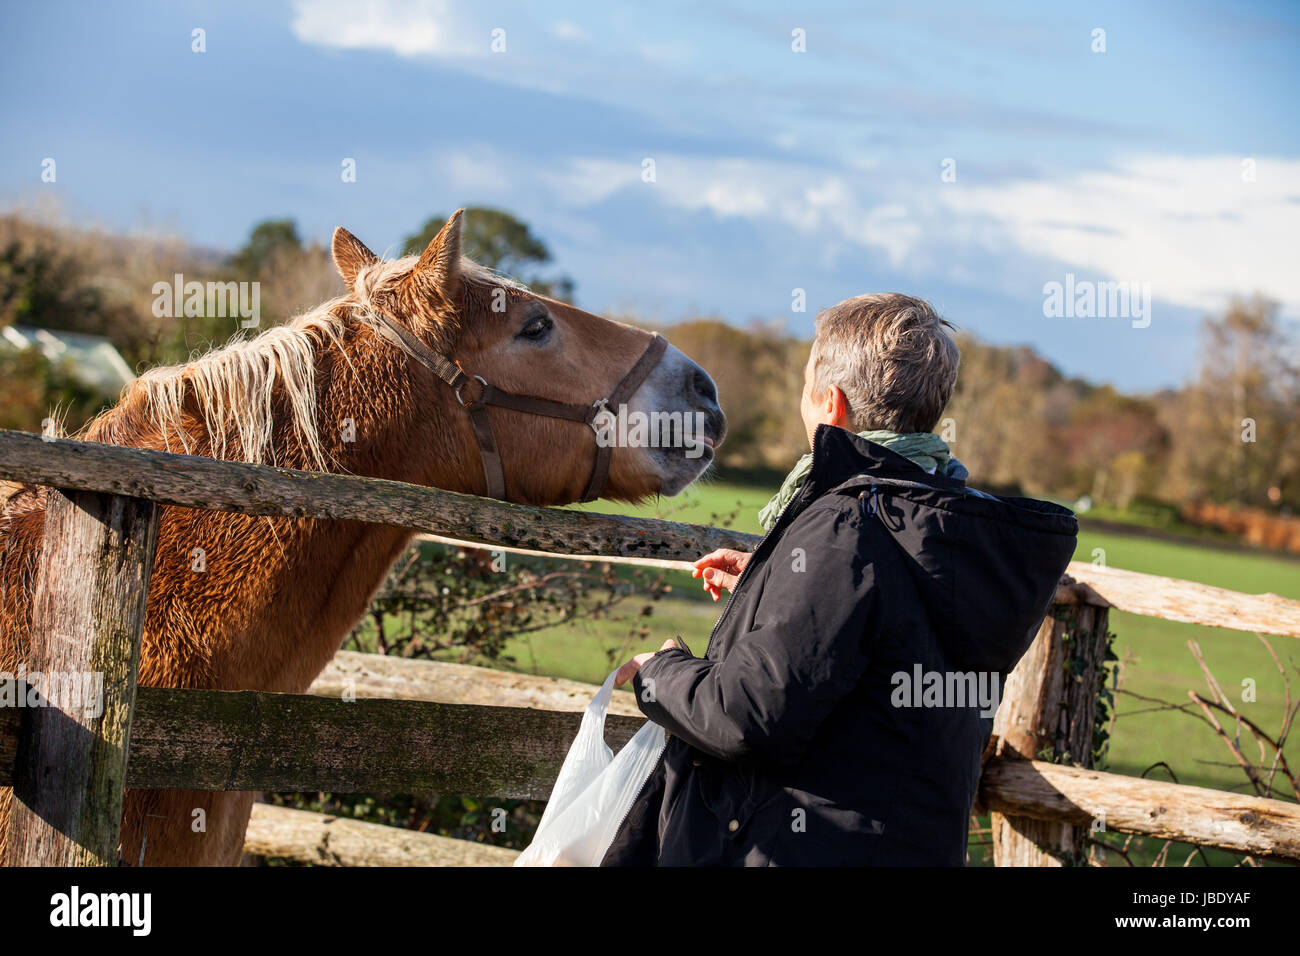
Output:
x=236 y=385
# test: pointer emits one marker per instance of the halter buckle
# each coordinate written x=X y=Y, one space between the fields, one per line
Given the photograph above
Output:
x=599 y=406
x=482 y=381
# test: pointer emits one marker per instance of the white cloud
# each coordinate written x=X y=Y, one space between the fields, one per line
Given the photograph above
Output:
x=1188 y=225
x=567 y=30
x=586 y=181
x=814 y=201
x=405 y=27
x=665 y=54
x=476 y=171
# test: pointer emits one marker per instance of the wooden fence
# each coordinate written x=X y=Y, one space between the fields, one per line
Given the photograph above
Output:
x=419 y=726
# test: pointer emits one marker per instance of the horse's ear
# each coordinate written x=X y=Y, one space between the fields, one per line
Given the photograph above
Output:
x=440 y=261
x=350 y=255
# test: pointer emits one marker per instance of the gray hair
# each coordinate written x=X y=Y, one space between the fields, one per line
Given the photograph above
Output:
x=890 y=356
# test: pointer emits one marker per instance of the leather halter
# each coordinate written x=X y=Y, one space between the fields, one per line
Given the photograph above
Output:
x=456 y=378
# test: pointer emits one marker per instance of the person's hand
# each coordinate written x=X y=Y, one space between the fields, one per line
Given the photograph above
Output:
x=628 y=670
x=721 y=569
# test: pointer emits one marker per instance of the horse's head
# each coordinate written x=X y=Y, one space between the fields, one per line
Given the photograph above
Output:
x=540 y=366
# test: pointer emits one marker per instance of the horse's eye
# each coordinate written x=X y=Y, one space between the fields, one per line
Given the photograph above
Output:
x=536 y=329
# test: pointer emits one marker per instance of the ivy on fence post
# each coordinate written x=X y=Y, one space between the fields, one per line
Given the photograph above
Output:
x=1055 y=709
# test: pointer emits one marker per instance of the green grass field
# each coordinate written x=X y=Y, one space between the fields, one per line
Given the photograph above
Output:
x=1158 y=661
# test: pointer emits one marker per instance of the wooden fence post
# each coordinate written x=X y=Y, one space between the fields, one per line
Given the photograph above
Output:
x=87 y=617
x=1047 y=713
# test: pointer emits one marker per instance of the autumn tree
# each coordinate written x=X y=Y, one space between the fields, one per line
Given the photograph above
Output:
x=292 y=276
x=1235 y=431
x=496 y=239
x=759 y=374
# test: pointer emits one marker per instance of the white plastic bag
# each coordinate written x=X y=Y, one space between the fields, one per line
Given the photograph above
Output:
x=594 y=791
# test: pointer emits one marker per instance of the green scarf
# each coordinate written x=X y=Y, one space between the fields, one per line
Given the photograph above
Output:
x=925 y=448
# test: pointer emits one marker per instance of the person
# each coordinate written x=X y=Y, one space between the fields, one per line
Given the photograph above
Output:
x=841 y=708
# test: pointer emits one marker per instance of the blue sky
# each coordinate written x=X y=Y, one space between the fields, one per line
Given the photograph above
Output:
x=774 y=169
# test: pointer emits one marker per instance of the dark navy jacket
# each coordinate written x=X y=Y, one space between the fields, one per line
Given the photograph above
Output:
x=803 y=735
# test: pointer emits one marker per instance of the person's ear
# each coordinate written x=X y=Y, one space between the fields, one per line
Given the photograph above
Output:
x=837 y=407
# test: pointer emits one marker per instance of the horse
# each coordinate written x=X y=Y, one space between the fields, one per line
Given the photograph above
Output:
x=272 y=599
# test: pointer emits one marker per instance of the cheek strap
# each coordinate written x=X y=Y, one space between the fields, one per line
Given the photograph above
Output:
x=477 y=408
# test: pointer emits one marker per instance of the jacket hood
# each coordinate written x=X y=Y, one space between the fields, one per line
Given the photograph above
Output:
x=986 y=567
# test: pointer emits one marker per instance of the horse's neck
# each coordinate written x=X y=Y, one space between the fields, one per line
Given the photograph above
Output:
x=318 y=576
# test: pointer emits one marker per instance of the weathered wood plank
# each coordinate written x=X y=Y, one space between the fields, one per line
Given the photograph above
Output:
x=338 y=841
x=1176 y=600
x=195 y=482
x=1268 y=829
x=246 y=740
x=1025 y=841
x=1048 y=708
x=1021 y=788
x=377 y=675
x=10 y=728
x=87 y=618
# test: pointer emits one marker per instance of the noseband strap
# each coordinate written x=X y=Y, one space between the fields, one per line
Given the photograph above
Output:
x=488 y=394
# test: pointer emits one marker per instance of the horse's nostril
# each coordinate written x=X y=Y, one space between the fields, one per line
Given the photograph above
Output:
x=704 y=386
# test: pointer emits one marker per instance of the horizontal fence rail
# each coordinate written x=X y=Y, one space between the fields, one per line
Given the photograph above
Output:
x=326 y=840
x=1257 y=826
x=378 y=675
x=244 y=740
x=194 y=482
x=1187 y=602
x=251 y=740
